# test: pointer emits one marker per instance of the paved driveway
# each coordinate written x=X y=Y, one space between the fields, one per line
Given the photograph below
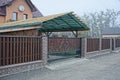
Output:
x=105 y=67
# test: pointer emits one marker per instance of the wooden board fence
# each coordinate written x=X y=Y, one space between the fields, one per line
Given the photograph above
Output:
x=14 y=50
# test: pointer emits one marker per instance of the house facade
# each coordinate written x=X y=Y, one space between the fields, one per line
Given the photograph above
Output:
x=14 y=10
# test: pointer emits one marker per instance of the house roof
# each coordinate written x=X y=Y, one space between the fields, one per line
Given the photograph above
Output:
x=5 y=2
x=111 y=31
x=2 y=11
x=37 y=14
x=35 y=11
x=58 y=22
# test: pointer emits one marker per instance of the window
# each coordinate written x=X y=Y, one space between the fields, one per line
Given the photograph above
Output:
x=14 y=16
x=25 y=16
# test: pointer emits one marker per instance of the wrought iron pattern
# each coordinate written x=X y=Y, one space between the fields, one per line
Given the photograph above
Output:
x=63 y=44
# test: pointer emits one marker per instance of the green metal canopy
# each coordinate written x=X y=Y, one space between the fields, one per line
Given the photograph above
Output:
x=55 y=23
x=66 y=22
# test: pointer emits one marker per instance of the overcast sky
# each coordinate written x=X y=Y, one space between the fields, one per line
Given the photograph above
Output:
x=50 y=7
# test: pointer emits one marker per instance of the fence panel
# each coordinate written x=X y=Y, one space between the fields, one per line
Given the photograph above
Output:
x=93 y=44
x=63 y=44
x=105 y=44
x=117 y=42
x=0 y=51
x=14 y=50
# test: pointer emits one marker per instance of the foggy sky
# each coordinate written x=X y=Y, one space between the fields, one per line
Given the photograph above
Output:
x=50 y=7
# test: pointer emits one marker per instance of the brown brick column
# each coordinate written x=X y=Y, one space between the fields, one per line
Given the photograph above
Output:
x=111 y=44
x=100 y=44
x=83 y=47
x=44 y=49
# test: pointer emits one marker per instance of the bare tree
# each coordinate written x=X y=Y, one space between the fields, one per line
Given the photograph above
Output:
x=99 y=20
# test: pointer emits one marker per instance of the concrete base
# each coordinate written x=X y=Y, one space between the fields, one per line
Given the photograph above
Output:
x=65 y=63
x=97 y=53
x=17 y=68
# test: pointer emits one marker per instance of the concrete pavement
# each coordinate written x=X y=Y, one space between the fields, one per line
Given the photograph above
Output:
x=105 y=67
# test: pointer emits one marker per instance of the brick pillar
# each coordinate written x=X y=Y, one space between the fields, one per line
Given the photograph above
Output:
x=100 y=46
x=111 y=44
x=83 y=47
x=45 y=49
x=114 y=43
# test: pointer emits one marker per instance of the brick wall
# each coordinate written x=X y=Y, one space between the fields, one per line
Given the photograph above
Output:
x=14 y=8
x=2 y=19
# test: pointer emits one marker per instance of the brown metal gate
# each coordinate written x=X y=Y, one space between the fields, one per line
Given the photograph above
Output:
x=64 y=47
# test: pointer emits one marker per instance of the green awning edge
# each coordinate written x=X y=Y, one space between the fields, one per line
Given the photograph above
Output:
x=21 y=25
x=76 y=28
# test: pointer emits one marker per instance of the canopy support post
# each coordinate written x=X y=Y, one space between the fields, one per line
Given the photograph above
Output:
x=48 y=33
x=75 y=33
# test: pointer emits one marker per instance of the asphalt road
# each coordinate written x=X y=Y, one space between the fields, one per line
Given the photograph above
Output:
x=105 y=67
